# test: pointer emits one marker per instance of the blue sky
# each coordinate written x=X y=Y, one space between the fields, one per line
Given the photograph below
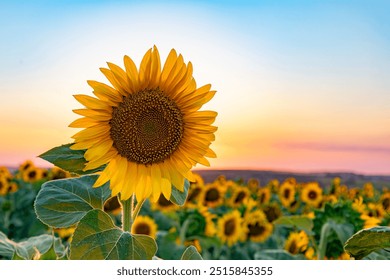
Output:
x=302 y=85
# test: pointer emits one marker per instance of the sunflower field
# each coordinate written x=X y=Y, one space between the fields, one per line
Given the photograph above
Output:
x=222 y=219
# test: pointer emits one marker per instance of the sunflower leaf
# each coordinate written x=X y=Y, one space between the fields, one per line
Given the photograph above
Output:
x=191 y=254
x=62 y=203
x=301 y=222
x=44 y=246
x=70 y=160
x=366 y=241
x=178 y=197
x=96 y=238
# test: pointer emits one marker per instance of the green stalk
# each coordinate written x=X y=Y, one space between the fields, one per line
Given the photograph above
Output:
x=127 y=210
x=137 y=209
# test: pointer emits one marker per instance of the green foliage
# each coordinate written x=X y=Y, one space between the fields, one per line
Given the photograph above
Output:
x=97 y=238
x=17 y=217
x=43 y=247
x=298 y=222
x=191 y=254
x=276 y=254
x=178 y=197
x=62 y=203
x=68 y=159
x=367 y=241
x=332 y=226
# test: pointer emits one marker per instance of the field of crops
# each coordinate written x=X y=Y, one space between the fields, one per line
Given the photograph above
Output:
x=223 y=219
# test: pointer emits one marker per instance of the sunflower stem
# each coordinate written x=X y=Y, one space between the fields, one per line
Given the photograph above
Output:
x=127 y=210
x=137 y=209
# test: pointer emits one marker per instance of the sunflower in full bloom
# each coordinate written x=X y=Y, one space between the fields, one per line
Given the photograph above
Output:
x=212 y=195
x=385 y=201
x=230 y=228
x=287 y=192
x=312 y=194
x=146 y=127
x=144 y=225
x=239 y=196
x=296 y=242
x=257 y=225
x=32 y=174
x=263 y=195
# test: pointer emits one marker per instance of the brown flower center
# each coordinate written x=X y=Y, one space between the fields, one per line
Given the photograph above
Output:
x=240 y=197
x=142 y=228
x=312 y=195
x=212 y=195
x=230 y=227
x=256 y=229
x=286 y=193
x=146 y=127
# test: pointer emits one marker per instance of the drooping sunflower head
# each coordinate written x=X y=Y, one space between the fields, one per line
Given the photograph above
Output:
x=164 y=205
x=146 y=127
x=144 y=225
x=230 y=227
x=385 y=201
x=312 y=194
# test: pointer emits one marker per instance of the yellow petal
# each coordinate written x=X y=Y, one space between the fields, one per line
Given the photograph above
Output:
x=104 y=91
x=144 y=69
x=98 y=150
x=99 y=115
x=169 y=63
x=140 y=189
x=156 y=181
x=92 y=132
x=113 y=80
x=130 y=181
x=101 y=161
x=83 y=123
x=120 y=76
x=155 y=71
x=132 y=73
x=92 y=103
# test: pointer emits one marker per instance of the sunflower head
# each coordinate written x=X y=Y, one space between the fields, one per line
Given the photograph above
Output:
x=230 y=227
x=312 y=194
x=212 y=195
x=240 y=196
x=296 y=242
x=258 y=229
x=146 y=126
x=263 y=195
x=144 y=225
x=287 y=192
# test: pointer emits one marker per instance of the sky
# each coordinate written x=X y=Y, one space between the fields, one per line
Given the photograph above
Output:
x=302 y=86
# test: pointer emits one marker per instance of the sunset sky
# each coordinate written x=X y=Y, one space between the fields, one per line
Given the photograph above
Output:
x=301 y=85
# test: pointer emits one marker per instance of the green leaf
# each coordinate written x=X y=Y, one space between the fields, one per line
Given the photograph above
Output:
x=35 y=247
x=178 y=197
x=97 y=238
x=366 y=241
x=7 y=247
x=300 y=222
x=191 y=254
x=62 y=203
x=342 y=231
x=68 y=159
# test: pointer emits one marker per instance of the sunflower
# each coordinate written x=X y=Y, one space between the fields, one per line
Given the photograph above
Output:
x=368 y=190
x=147 y=128
x=263 y=195
x=195 y=243
x=287 y=192
x=253 y=184
x=272 y=211
x=212 y=195
x=385 y=201
x=296 y=242
x=32 y=174
x=3 y=185
x=164 y=205
x=257 y=226
x=312 y=194
x=144 y=225
x=230 y=227
x=58 y=173
x=113 y=206
x=239 y=197
x=210 y=229
x=26 y=165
